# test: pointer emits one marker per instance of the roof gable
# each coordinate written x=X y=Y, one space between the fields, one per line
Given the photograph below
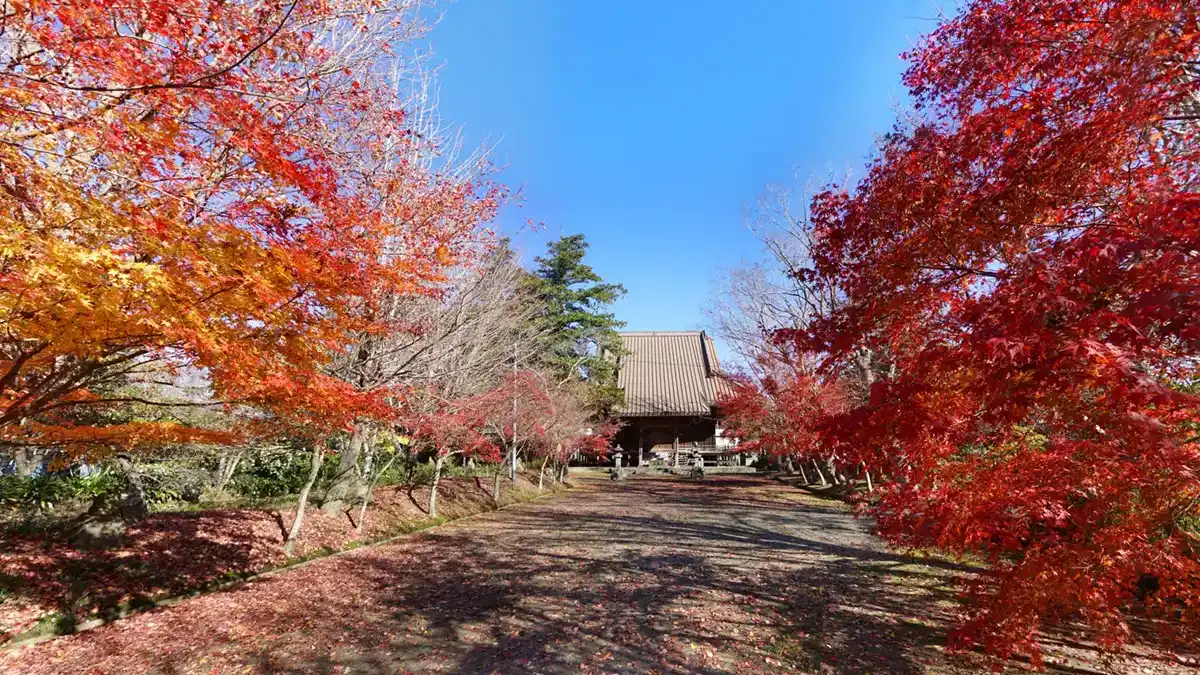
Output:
x=669 y=373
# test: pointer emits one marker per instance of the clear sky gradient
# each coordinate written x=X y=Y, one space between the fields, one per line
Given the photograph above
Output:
x=650 y=125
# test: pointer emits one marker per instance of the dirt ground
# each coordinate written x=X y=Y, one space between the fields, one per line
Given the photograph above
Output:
x=719 y=575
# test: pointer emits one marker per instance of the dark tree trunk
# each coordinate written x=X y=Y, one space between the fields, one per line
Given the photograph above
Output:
x=294 y=534
x=133 y=504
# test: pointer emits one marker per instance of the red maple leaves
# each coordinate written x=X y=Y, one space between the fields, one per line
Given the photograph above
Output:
x=1026 y=253
x=780 y=416
x=227 y=187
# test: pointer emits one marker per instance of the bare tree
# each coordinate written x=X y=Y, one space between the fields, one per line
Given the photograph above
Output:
x=751 y=302
x=457 y=342
x=754 y=300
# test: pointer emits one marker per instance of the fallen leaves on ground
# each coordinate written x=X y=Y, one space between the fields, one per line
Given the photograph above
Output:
x=723 y=575
x=167 y=553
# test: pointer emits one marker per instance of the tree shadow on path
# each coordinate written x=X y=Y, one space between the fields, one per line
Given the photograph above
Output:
x=639 y=576
x=643 y=580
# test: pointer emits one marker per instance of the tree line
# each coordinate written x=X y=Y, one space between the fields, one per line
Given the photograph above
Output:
x=993 y=332
x=233 y=232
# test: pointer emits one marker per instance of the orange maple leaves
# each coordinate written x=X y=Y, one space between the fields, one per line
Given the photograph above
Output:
x=228 y=187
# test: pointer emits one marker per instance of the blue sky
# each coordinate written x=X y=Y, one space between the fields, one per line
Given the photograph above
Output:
x=650 y=125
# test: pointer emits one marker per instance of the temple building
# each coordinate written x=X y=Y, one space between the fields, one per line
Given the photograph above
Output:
x=672 y=381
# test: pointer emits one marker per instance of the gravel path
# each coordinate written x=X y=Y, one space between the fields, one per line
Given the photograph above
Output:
x=720 y=575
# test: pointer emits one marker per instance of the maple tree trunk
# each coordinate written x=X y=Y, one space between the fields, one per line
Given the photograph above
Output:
x=226 y=466
x=838 y=479
x=433 y=485
x=370 y=488
x=496 y=485
x=26 y=460
x=819 y=474
x=862 y=359
x=346 y=479
x=542 y=473
x=512 y=458
x=369 y=458
x=803 y=476
x=289 y=547
x=867 y=471
x=512 y=472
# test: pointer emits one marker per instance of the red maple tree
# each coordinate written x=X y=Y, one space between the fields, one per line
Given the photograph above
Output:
x=780 y=415
x=1026 y=249
x=451 y=428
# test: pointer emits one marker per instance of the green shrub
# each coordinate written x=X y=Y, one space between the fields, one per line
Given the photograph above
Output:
x=459 y=470
x=36 y=493
x=1191 y=524
x=174 y=481
x=47 y=491
x=274 y=472
x=422 y=473
x=98 y=484
x=418 y=470
x=400 y=472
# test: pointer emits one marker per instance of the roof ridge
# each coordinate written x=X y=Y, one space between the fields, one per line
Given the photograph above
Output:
x=659 y=332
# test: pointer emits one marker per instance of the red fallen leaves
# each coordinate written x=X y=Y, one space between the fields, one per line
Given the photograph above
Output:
x=174 y=552
x=1026 y=252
